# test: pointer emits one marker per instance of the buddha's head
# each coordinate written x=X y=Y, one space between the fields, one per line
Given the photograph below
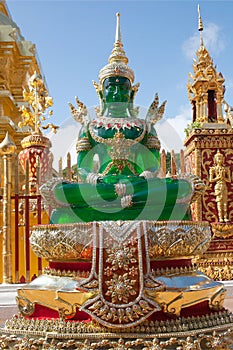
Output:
x=116 y=90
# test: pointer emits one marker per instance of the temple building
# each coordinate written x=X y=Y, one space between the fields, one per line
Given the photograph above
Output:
x=209 y=154
x=19 y=209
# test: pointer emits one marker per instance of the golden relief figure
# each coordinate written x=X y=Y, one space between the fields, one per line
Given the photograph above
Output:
x=220 y=174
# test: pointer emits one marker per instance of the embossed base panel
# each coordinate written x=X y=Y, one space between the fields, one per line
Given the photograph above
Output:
x=222 y=230
x=214 y=331
x=221 y=246
x=181 y=294
x=217 y=265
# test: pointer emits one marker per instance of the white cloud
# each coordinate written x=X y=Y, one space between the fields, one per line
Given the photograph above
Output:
x=64 y=141
x=212 y=38
x=229 y=84
x=171 y=130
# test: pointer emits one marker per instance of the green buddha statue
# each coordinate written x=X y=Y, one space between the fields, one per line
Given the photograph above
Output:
x=128 y=152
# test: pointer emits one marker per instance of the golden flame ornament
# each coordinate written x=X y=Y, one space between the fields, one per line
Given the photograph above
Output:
x=38 y=105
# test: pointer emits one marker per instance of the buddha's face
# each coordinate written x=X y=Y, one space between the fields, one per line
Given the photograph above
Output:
x=116 y=95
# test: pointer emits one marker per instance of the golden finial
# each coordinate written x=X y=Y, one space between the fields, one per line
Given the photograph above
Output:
x=38 y=101
x=118 y=29
x=200 y=24
x=7 y=146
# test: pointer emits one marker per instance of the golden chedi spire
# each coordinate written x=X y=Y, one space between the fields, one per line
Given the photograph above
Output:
x=117 y=62
x=204 y=58
x=205 y=86
x=200 y=25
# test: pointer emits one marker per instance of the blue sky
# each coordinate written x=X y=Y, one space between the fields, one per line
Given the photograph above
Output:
x=74 y=40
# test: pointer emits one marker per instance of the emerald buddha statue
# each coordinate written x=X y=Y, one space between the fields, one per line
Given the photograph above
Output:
x=123 y=277
x=126 y=186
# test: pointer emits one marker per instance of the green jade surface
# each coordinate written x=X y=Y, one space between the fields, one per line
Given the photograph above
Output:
x=125 y=187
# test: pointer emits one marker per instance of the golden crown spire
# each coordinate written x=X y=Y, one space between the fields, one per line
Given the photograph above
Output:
x=118 y=53
x=117 y=62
